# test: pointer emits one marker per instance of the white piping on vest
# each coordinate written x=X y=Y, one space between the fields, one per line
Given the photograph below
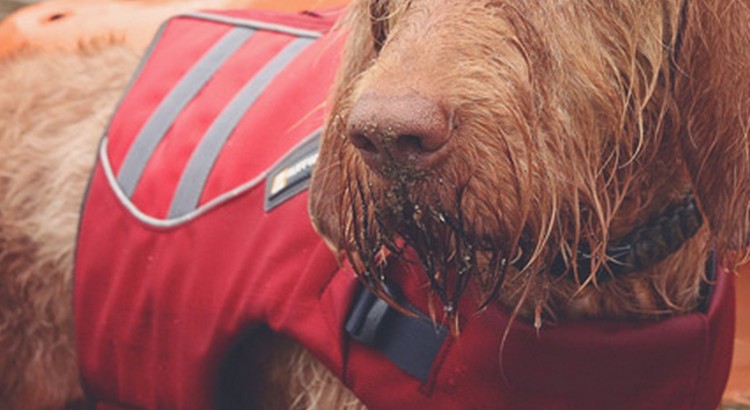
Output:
x=255 y=24
x=173 y=222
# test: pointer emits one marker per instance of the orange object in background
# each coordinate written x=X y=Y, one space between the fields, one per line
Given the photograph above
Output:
x=70 y=24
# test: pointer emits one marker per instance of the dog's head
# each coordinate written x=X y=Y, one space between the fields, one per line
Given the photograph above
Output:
x=495 y=136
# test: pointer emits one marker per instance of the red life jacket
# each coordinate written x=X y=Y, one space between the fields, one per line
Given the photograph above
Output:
x=195 y=231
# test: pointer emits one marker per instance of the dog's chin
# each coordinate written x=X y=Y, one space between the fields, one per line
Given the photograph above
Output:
x=431 y=223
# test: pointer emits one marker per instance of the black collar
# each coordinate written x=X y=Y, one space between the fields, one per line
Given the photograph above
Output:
x=643 y=247
x=651 y=243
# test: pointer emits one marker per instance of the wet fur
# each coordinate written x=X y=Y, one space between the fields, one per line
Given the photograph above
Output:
x=53 y=109
x=574 y=122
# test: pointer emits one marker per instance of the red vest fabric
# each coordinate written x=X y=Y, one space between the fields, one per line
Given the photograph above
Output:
x=195 y=231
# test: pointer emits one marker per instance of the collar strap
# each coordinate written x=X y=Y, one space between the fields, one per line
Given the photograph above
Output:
x=643 y=247
x=412 y=343
x=649 y=244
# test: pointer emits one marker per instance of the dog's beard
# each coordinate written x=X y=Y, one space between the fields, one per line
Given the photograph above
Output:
x=385 y=216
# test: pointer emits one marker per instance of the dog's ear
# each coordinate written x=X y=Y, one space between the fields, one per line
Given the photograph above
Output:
x=712 y=92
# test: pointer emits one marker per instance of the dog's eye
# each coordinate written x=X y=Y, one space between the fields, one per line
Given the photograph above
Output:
x=379 y=22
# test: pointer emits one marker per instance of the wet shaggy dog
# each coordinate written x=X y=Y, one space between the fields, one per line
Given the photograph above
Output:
x=528 y=131
x=516 y=146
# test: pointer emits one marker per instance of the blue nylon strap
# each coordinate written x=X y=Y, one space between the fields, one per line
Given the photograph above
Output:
x=161 y=120
x=411 y=343
x=195 y=175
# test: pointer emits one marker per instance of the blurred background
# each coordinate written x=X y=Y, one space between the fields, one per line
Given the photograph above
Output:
x=7 y=6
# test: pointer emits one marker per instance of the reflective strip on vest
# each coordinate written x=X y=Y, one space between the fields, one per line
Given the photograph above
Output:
x=173 y=104
x=196 y=172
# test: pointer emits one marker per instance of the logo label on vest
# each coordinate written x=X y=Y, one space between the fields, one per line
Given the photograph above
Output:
x=292 y=174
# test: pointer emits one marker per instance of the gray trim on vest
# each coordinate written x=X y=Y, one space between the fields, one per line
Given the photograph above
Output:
x=174 y=222
x=194 y=177
x=254 y=24
x=161 y=120
x=141 y=65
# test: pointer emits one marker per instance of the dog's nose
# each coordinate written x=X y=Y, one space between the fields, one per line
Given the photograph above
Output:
x=405 y=131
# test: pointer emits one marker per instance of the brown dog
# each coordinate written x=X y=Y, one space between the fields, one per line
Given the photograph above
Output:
x=53 y=108
x=496 y=138
x=486 y=131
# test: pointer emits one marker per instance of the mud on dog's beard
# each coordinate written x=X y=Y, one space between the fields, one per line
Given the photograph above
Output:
x=458 y=244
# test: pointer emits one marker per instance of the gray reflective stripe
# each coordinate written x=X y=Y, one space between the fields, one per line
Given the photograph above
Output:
x=193 y=179
x=163 y=117
x=256 y=24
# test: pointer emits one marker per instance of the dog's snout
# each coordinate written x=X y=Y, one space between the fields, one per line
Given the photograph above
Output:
x=406 y=131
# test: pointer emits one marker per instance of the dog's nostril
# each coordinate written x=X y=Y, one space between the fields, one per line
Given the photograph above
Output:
x=410 y=144
x=361 y=142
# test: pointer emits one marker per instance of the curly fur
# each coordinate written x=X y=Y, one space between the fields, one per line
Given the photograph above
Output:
x=53 y=108
x=572 y=123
